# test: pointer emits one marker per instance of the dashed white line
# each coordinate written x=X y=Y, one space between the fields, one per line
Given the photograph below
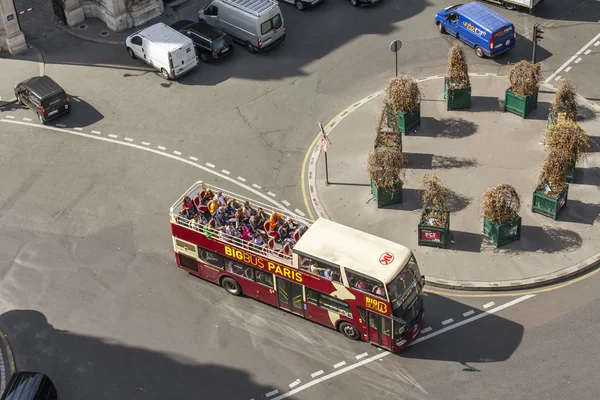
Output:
x=294 y=384
x=128 y=139
x=300 y=213
x=110 y=135
x=557 y=78
x=210 y=165
x=273 y=393
x=448 y=321
x=146 y=143
x=26 y=119
x=471 y=312
x=340 y=364
x=98 y=132
x=425 y=330
x=177 y=153
x=271 y=194
x=193 y=158
x=588 y=51
x=363 y=355
x=572 y=58
x=241 y=179
x=225 y=172
x=287 y=203
x=488 y=305
x=60 y=125
x=568 y=69
x=578 y=60
x=315 y=374
x=10 y=116
x=163 y=148
x=78 y=129
x=256 y=186
x=597 y=44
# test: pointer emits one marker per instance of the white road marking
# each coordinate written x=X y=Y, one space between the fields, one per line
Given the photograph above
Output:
x=61 y=125
x=578 y=60
x=315 y=374
x=558 y=78
x=294 y=384
x=163 y=148
x=570 y=60
x=568 y=69
x=273 y=393
x=78 y=129
x=128 y=139
x=363 y=355
x=340 y=364
x=488 y=305
x=10 y=116
x=178 y=153
x=597 y=44
x=471 y=312
x=256 y=186
x=193 y=158
x=26 y=119
x=300 y=213
x=150 y=150
x=414 y=342
x=271 y=194
x=287 y=203
x=588 y=51
x=241 y=179
x=448 y=321
x=146 y=143
x=210 y=165
x=110 y=135
x=225 y=172
x=425 y=330
x=98 y=132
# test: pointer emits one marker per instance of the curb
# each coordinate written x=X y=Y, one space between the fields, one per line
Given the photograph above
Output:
x=314 y=151
x=11 y=361
x=68 y=30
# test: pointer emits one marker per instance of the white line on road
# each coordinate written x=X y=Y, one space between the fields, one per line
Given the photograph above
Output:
x=10 y=116
x=417 y=341
x=26 y=119
x=287 y=203
x=340 y=364
x=597 y=44
x=471 y=312
x=271 y=194
x=300 y=213
x=588 y=51
x=162 y=148
x=578 y=60
x=113 y=136
x=315 y=374
x=78 y=129
x=448 y=321
x=488 y=305
x=558 y=78
x=425 y=330
x=256 y=186
x=584 y=48
x=294 y=384
x=193 y=158
x=241 y=179
x=225 y=172
x=150 y=150
x=146 y=143
x=363 y=355
x=568 y=69
x=210 y=165
x=128 y=139
x=273 y=393
x=97 y=132
x=176 y=152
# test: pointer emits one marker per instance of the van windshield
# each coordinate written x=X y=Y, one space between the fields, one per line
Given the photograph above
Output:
x=273 y=23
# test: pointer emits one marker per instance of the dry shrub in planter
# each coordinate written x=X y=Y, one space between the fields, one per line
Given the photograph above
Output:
x=501 y=204
x=458 y=69
x=524 y=77
x=568 y=138
x=434 y=200
x=386 y=167
x=565 y=101
x=403 y=94
x=387 y=135
x=553 y=174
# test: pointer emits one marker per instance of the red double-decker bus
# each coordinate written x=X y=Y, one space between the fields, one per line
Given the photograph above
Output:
x=365 y=287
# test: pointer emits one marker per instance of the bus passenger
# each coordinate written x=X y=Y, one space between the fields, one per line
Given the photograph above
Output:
x=208 y=196
x=247 y=209
x=274 y=220
x=221 y=216
x=221 y=199
x=361 y=285
x=212 y=206
x=188 y=204
x=231 y=231
x=378 y=291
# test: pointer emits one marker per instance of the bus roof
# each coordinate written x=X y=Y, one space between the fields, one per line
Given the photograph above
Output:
x=350 y=248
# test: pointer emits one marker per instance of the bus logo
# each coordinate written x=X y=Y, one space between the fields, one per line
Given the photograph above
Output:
x=386 y=258
x=376 y=305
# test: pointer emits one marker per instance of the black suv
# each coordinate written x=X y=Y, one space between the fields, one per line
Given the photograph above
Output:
x=29 y=386
x=211 y=43
x=44 y=96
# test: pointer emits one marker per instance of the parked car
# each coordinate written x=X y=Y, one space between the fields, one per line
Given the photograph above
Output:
x=303 y=4
x=258 y=25
x=164 y=49
x=29 y=386
x=43 y=96
x=363 y=3
x=488 y=32
x=211 y=43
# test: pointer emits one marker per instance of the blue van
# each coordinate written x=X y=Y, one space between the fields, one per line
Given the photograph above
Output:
x=488 y=32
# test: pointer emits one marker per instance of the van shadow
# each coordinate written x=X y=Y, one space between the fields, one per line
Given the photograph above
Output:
x=579 y=212
x=95 y=368
x=522 y=51
x=536 y=239
x=449 y=128
x=82 y=114
x=489 y=339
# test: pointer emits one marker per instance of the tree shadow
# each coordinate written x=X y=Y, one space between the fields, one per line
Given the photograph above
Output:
x=465 y=241
x=486 y=104
x=451 y=128
x=579 y=212
x=538 y=239
x=450 y=162
x=586 y=113
x=418 y=160
x=82 y=114
x=88 y=367
x=457 y=202
x=595 y=144
x=469 y=344
x=588 y=176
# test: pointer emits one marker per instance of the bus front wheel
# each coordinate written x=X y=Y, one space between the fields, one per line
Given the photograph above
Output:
x=231 y=286
x=349 y=330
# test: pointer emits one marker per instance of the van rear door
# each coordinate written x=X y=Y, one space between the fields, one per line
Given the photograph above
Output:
x=271 y=29
x=183 y=59
x=504 y=39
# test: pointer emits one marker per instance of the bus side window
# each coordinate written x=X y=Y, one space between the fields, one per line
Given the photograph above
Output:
x=264 y=278
x=327 y=302
x=239 y=269
x=363 y=313
x=211 y=258
x=188 y=262
x=365 y=284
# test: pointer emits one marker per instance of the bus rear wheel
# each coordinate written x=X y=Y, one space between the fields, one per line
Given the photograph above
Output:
x=231 y=286
x=349 y=330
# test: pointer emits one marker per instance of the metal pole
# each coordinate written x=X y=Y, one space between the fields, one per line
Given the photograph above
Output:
x=396 y=64
x=326 y=170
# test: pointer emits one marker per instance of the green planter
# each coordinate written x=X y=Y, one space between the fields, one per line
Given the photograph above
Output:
x=502 y=234
x=409 y=120
x=456 y=99
x=520 y=105
x=434 y=236
x=571 y=172
x=550 y=122
x=548 y=205
x=384 y=197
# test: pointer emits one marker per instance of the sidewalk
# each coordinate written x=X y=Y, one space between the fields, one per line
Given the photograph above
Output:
x=470 y=151
x=17 y=68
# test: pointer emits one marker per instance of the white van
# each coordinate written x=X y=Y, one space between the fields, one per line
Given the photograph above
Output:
x=257 y=24
x=168 y=51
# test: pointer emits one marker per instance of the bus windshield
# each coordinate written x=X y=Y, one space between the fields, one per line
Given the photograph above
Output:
x=401 y=284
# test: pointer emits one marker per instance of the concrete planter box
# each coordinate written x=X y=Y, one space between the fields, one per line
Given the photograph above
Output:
x=431 y=235
x=502 y=234
x=409 y=120
x=385 y=197
x=456 y=99
x=519 y=105
x=548 y=205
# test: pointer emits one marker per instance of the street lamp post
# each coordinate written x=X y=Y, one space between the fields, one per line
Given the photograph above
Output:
x=395 y=46
x=536 y=36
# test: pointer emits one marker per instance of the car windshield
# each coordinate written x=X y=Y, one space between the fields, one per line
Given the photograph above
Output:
x=402 y=283
x=273 y=23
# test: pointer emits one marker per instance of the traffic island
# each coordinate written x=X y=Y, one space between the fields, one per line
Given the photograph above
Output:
x=471 y=151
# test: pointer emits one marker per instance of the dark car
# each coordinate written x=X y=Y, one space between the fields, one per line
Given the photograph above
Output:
x=211 y=43
x=29 y=386
x=44 y=96
x=363 y=3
